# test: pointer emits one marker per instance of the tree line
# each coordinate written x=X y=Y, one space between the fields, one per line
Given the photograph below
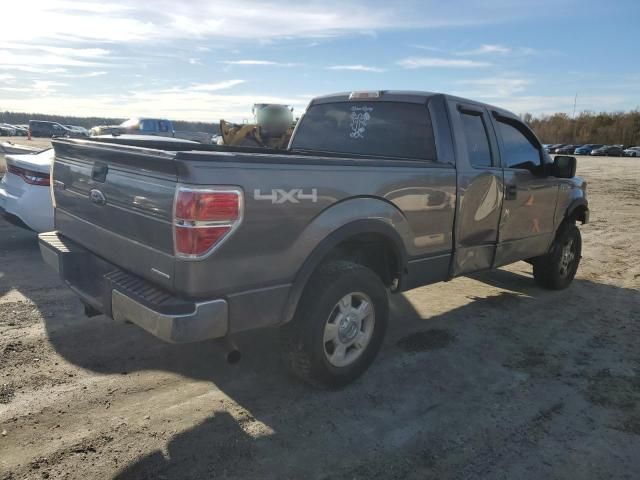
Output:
x=588 y=127
x=19 y=118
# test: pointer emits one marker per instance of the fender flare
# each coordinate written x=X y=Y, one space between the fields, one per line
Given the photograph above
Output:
x=576 y=204
x=332 y=240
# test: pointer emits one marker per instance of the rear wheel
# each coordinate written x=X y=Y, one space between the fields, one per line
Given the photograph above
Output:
x=339 y=325
x=557 y=269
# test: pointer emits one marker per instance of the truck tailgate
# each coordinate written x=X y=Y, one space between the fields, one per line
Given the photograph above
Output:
x=118 y=203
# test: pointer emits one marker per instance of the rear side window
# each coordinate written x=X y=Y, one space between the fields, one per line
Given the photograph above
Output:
x=477 y=140
x=519 y=152
x=148 y=125
x=386 y=129
x=163 y=126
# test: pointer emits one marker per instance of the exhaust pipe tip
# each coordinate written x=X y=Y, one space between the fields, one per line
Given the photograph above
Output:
x=233 y=357
x=230 y=351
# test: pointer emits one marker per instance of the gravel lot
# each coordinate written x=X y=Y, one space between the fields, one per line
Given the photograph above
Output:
x=483 y=377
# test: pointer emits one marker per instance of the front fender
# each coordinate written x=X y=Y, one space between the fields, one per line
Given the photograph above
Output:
x=581 y=205
x=572 y=198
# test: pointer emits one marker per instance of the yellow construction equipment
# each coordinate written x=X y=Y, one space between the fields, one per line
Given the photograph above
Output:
x=273 y=128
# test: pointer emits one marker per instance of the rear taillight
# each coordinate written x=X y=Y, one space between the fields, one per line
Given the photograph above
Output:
x=29 y=176
x=204 y=217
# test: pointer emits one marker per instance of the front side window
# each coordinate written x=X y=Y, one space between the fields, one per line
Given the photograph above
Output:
x=385 y=129
x=477 y=140
x=518 y=151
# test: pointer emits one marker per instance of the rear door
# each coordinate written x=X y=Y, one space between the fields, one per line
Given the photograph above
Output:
x=117 y=201
x=527 y=223
x=480 y=188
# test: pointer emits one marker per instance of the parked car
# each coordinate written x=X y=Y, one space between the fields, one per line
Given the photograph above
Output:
x=14 y=130
x=608 y=151
x=43 y=128
x=7 y=130
x=557 y=149
x=567 y=149
x=140 y=126
x=21 y=131
x=25 y=199
x=632 y=152
x=206 y=241
x=550 y=147
x=586 y=149
x=81 y=131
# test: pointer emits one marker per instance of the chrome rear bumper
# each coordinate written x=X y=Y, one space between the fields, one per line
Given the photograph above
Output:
x=123 y=296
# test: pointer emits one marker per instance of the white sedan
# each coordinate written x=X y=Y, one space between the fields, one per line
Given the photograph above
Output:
x=24 y=191
x=632 y=152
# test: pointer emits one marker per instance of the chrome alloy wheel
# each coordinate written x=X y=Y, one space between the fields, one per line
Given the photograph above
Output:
x=348 y=329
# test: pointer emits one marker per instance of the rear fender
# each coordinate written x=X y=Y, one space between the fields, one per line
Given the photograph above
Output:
x=340 y=222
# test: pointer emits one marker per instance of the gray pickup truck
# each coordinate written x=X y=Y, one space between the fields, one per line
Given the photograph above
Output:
x=378 y=192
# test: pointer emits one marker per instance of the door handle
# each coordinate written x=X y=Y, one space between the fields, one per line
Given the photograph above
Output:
x=512 y=192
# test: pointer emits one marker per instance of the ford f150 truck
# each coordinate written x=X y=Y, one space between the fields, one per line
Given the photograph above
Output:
x=378 y=192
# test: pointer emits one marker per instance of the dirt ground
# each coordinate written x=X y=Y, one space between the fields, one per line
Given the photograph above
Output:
x=482 y=377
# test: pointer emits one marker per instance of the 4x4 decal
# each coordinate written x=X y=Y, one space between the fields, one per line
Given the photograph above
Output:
x=278 y=195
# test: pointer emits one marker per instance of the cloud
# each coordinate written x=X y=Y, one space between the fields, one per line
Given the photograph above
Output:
x=180 y=102
x=194 y=61
x=430 y=62
x=496 y=49
x=30 y=69
x=9 y=58
x=208 y=87
x=546 y=105
x=164 y=21
x=85 y=74
x=47 y=85
x=427 y=47
x=494 y=87
x=262 y=63
x=37 y=87
x=487 y=49
x=357 y=68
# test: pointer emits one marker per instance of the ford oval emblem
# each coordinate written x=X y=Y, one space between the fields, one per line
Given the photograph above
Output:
x=97 y=197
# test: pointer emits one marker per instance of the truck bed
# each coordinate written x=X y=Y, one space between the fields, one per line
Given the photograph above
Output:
x=133 y=228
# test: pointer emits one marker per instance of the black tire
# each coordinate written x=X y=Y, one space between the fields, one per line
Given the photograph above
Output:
x=557 y=269
x=303 y=339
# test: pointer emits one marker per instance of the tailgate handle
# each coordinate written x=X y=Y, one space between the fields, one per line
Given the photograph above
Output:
x=99 y=172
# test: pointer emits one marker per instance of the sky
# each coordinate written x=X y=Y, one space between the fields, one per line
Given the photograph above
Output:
x=206 y=60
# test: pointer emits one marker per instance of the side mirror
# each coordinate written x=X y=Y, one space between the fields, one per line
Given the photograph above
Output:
x=564 y=166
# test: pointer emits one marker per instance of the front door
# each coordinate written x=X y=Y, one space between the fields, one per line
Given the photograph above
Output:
x=480 y=188
x=527 y=220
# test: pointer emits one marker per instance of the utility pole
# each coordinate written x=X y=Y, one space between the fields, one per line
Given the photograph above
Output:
x=573 y=117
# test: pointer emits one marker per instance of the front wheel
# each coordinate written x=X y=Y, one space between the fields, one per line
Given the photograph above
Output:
x=556 y=269
x=339 y=325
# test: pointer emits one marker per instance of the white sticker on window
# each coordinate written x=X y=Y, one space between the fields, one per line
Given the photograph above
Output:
x=359 y=118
